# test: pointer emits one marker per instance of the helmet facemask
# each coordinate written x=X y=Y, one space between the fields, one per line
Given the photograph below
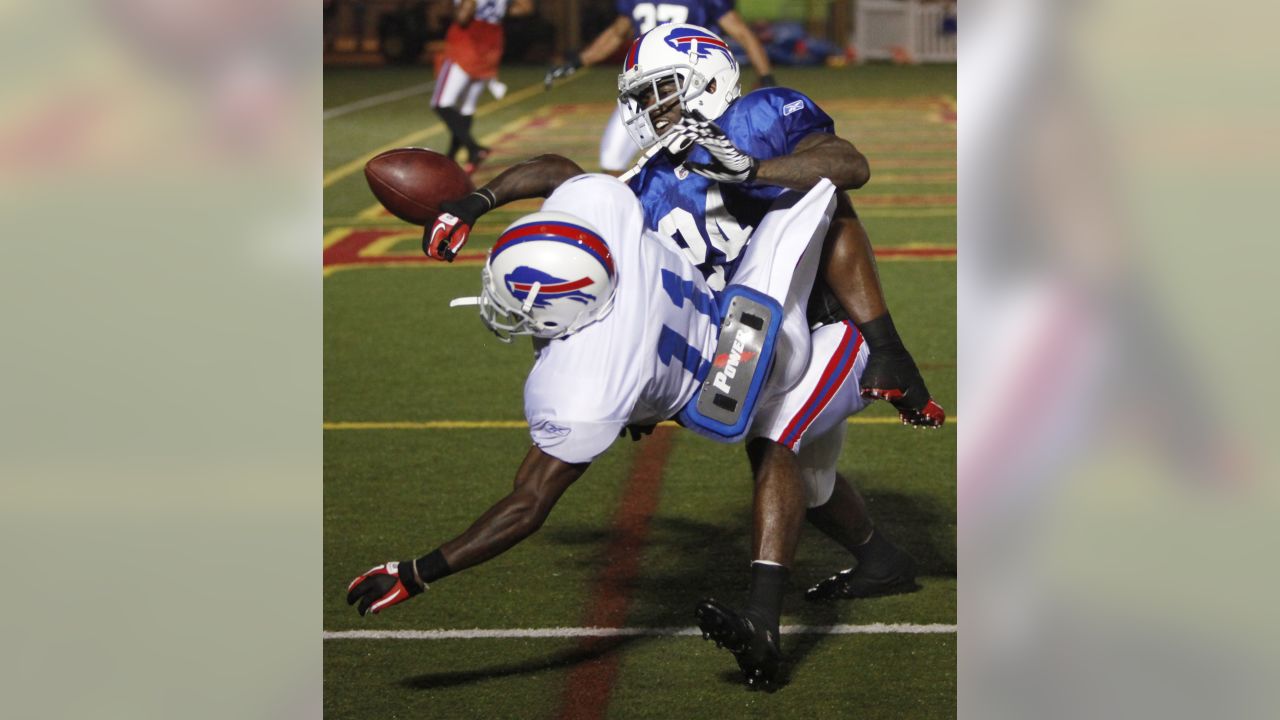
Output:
x=697 y=63
x=503 y=321
x=682 y=84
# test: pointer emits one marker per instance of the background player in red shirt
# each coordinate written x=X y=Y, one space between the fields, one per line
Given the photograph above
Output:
x=473 y=49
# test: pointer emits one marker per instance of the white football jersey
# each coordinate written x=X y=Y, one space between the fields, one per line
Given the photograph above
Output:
x=638 y=364
x=490 y=11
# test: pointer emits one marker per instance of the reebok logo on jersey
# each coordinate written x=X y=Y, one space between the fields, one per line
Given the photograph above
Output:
x=734 y=359
x=547 y=434
x=792 y=107
x=549 y=428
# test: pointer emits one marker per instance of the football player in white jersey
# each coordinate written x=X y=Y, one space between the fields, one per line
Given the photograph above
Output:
x=798 y=149
x=625 y=328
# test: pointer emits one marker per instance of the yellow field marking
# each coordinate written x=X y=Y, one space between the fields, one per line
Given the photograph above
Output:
x=382 y=246
x=379 y=248
x=333 y=236
x=912 y=213
x=342 y=171
x=331 y=269
x=374 y=212
x=476 y=262
x=521 y=425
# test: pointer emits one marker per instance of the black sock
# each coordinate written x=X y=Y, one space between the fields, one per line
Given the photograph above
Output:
x=881 y=335
x=876 y=555
x=432 y=567
x=459 y=133
x=473 y=147
x=768 y=583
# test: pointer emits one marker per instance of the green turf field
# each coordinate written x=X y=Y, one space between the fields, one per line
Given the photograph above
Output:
x=423 y=408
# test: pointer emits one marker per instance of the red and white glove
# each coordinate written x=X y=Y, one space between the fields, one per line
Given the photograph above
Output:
x=384 y=586
x=445 y=237
x=450 y=231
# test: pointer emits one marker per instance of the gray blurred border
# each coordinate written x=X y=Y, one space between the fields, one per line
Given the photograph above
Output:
x=160 y=508
x=1116 y=481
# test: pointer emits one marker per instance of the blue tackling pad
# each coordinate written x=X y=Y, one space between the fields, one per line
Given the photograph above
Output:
x=723 y=407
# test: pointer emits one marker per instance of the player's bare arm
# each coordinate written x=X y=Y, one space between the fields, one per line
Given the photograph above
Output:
x=608 y=41
x=540 y=482
x=520 y=8
x=817 y=156
x=848 y=265
x=534 y=178
x=465 y=13
x=733 y=24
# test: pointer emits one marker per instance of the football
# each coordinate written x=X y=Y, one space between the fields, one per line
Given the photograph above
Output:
x=412 y=182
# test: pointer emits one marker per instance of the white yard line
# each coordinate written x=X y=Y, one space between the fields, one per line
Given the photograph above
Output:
x=578 y=632
x=376 y=100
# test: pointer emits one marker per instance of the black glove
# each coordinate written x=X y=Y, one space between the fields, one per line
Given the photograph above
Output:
x=383 y=586
x=891 y=374
x=637 y=431
x=765 y=81
x=561 y=71
x=450 y=231
x=728 y=163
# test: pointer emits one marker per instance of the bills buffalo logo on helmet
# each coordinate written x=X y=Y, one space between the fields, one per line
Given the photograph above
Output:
x=698 y=43
x=520 y=281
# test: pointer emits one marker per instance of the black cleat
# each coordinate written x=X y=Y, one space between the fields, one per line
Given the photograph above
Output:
x=898 y=578
x=893 y=376
x=754 y=647
x=476 y=159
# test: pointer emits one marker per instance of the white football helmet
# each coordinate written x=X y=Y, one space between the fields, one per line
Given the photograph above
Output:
x=549 y=274
x=693 y=57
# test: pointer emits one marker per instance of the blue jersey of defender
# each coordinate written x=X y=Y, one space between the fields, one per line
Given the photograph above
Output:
x=712 y=221
x=647 y=15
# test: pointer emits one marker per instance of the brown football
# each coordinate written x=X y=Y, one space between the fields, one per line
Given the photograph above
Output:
x=412 y=182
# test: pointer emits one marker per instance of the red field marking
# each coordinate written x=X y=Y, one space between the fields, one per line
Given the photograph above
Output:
x=915 y=252
x=347 y=250
x=874 y=200
x=587 y=689
x=350 y=251
x=947 y=111
x=903 y=163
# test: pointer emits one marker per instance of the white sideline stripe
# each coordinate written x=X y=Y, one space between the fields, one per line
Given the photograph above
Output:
x=576 y=632
x=377 y=100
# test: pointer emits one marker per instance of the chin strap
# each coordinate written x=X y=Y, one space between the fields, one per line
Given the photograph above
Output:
x=648 y=154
